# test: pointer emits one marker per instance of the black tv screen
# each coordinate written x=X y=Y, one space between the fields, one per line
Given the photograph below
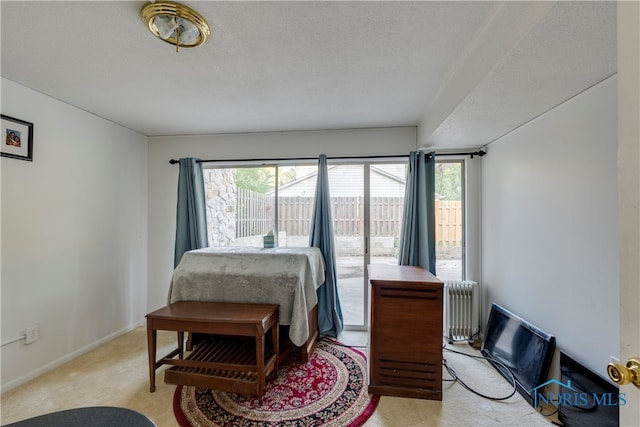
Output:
x=590 y=400
x=523 y=348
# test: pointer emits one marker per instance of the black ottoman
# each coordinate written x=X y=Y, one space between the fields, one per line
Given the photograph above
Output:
x=96 y=416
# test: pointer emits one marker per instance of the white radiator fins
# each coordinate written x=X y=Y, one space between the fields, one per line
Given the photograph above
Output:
x=461 y=310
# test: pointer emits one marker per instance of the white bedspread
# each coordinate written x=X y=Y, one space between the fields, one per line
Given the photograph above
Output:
x=285 y=276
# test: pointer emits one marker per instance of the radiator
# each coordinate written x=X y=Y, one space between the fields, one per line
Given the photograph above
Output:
x=461 y=310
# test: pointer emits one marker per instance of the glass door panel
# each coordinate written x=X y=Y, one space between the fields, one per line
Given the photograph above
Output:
x=449 y=219
x=367 y=202
x=346 y=183
x=296 y=192
x=388 y=182
x=240 y=205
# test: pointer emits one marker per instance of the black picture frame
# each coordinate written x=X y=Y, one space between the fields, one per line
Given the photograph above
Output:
x=17 y=139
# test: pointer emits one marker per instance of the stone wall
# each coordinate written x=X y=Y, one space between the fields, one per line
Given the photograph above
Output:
x=220 y=185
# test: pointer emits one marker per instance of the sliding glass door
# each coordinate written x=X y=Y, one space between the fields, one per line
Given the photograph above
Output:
x=366 y=201
x=347 y=188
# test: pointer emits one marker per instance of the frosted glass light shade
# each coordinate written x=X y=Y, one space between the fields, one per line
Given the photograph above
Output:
x=166 y=25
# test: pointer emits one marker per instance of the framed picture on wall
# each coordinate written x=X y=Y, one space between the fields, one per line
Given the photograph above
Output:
x=17 y=138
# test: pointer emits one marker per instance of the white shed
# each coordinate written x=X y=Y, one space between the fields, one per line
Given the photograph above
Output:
x=387 y=180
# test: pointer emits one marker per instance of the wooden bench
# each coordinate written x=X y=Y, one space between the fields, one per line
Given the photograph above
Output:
x=228 y=360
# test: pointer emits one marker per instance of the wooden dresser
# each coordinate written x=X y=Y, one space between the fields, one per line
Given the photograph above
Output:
x=405 y=343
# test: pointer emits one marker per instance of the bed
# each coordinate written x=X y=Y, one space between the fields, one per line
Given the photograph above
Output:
x=285 y=276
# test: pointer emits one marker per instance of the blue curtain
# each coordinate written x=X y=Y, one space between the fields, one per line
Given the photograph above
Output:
x=417 y=239
x=191 y=217
x=330 y=320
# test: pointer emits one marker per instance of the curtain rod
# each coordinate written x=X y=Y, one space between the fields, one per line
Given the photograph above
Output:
x=475 y=153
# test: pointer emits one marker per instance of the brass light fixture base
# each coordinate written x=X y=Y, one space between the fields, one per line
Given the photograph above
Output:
x=178 y=12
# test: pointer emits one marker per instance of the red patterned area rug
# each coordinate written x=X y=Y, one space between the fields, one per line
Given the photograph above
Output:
x=330 y=389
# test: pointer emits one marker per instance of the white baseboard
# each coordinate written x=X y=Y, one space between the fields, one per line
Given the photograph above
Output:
x=52 y=365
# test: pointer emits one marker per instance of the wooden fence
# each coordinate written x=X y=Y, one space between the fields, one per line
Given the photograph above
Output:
x=295 y=214
x=255 y=213
x=449 y=222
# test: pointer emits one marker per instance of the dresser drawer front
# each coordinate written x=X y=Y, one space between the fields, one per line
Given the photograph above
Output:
x=408 y=322
x=407 y=374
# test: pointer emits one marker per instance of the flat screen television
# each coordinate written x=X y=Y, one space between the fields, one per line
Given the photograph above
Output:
x=523 y=348
x=596 y=403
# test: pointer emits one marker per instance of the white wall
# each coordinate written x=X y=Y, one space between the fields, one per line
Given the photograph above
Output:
x=550 y=224
x=163 y=177
x=74 y=234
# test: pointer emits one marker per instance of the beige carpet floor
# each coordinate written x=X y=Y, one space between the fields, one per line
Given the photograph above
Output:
x=116 y=374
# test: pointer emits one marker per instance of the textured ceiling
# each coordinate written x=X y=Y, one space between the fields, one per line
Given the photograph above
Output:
x=465 y=72
x=546 y=67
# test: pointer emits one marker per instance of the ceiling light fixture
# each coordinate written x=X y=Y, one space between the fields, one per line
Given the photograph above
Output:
x=176 y=24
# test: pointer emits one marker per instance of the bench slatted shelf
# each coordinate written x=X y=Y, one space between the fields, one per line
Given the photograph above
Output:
x=234 y=357
x=220 y=363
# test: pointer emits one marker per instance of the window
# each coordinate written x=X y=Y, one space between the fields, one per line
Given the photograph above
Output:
x=242 y=208
x=243 y=204
x=449 y=207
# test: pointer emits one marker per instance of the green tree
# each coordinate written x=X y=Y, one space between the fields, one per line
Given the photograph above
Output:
x=285 y=176
x=449 y=181
x=261 y=179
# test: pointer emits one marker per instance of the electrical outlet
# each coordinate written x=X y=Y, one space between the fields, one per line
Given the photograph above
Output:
x=31 y=334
